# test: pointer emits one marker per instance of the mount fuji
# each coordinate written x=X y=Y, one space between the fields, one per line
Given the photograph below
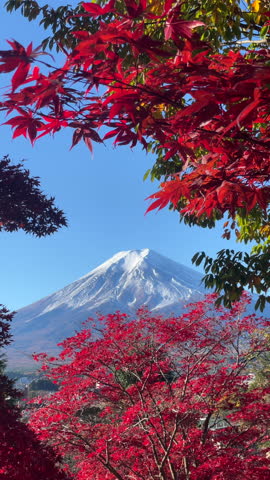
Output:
x=125 y=282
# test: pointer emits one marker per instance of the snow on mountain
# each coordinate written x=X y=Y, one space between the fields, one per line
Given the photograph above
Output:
x=125 y=282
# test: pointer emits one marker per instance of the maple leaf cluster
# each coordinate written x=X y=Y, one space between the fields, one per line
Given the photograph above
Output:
x=150 y=397
x=211 y=110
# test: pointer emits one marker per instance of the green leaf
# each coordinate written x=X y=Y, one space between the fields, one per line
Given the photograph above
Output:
x=198 y=257
x=264 y=31
x=146 y=175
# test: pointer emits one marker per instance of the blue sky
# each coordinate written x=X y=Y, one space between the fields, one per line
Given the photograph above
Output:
x=104 y=200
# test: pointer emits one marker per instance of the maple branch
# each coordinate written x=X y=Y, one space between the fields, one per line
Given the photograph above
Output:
x=186 y=467
x=168 y=449
x=205 y=427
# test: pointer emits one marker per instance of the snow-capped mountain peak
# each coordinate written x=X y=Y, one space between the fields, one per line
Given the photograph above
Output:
x=125 y=282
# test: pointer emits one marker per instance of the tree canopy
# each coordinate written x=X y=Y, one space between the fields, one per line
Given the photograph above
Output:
x=227 y=21
x=22 y=456
x=148 y=397
x=22 y=203
x=187 y=82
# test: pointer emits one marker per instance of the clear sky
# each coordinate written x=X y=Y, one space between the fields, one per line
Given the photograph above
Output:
x=104 y=200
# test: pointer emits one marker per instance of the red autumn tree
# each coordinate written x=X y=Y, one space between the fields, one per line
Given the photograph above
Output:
x=205 y=114
x=22 y=456
x=152 y=398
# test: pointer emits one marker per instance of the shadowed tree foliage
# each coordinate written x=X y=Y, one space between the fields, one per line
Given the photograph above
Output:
x=23 y=205
x=22 y=456
x=8 y=394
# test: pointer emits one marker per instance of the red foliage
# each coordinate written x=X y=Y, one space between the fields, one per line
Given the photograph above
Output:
x=22 y=456
x=211 y=110
x=149 y=397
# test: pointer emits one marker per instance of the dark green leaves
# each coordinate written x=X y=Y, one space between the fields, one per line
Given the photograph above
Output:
x=23 y=205
x=231 y=272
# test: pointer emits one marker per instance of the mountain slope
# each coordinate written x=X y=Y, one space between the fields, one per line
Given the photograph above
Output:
x=125 y=282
